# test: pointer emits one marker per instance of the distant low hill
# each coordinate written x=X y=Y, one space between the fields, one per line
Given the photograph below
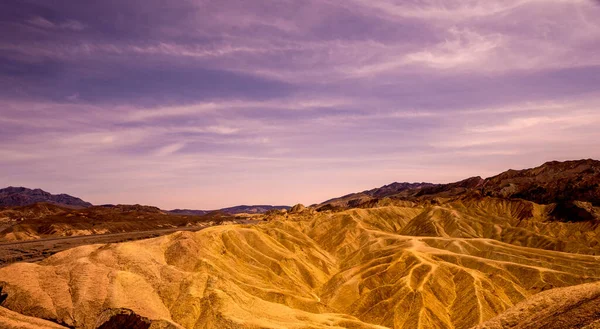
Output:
x=43 y=220
x=243 y=209
x=22 y=196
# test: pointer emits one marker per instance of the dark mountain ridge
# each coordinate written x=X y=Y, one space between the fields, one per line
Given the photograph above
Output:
x=551 y=182
x=252 y=209
x=573 y=187
x=22 y=196
x=399 y=190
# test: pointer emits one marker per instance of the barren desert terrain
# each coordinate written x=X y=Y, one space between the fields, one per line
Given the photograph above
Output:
x=493 y=253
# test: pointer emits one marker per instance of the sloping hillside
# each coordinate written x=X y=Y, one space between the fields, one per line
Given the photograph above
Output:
x=570 y=307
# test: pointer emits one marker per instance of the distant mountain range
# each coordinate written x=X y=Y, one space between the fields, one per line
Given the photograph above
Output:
x=22 y=196
x=553 y=182
x=254 y=209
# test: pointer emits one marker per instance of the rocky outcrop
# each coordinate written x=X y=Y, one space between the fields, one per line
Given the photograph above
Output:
x=123 y=318
x=574 y=211
x=299 y=208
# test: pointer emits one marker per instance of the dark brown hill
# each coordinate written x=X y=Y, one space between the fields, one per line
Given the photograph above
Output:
x=48 y=220
x=552 y=182
x=451 y=190
x=573 y=187
x=360 y=199
x=22 y=196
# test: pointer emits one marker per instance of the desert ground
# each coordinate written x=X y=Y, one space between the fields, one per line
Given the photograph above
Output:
x=480 y=253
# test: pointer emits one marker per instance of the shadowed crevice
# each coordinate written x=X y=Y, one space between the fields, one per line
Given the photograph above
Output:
x=122 y=319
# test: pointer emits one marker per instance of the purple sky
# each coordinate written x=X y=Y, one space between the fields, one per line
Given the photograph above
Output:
x=205 y=104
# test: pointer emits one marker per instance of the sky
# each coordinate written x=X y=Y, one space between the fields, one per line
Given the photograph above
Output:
x=205 y=104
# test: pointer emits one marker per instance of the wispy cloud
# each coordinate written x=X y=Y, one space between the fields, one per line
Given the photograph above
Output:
x=46 y=24
x=222 y=130
x=204 y=107
x=169 y=149
x=464 y=47
x=564 y=121
x=454 y=10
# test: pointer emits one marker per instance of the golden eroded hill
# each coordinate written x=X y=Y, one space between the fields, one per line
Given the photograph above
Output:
x=449 y=265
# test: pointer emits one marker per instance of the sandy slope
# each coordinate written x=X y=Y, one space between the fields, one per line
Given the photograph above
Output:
x=10 y=319
x=353 y=269
x=570 y=307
